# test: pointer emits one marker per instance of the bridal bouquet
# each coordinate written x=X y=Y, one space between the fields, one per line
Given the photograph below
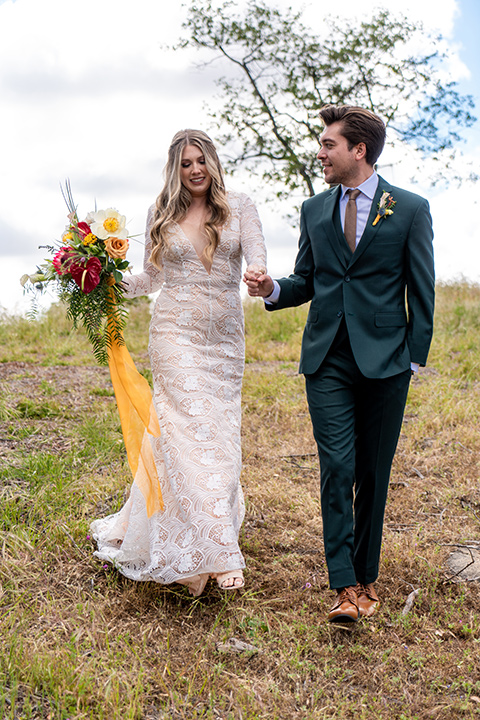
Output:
x=87 y=267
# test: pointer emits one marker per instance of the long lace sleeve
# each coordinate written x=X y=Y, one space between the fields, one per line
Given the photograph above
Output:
x=151 y=279
x=251 y=236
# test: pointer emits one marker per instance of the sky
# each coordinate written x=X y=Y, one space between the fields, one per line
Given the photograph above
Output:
x=89 y=92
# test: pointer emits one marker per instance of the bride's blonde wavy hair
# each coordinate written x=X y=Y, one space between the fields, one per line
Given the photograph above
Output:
x=174 y=200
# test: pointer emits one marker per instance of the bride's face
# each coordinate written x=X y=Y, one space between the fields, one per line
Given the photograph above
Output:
x=193 y=171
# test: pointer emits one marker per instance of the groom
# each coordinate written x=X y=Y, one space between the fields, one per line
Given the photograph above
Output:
x=365 y=260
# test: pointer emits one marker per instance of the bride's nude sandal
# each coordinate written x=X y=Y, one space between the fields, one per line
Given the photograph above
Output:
x=235 y=575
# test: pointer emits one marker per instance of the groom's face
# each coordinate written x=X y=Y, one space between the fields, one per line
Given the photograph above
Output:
x=339 y=163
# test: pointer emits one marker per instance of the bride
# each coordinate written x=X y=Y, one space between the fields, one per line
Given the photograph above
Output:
x=196 y=236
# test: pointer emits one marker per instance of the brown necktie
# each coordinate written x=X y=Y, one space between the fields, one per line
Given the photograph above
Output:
x=350 y=227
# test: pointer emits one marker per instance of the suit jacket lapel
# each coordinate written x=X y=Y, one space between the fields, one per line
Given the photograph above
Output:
x=370 y=230
x=329 y=208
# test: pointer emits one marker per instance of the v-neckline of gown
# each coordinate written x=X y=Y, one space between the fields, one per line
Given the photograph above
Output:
x=195 y=250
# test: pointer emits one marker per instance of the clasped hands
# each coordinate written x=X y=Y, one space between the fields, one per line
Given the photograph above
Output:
x=258 y=283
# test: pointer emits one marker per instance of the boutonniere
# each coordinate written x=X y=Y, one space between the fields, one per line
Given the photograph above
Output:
x=385 y=206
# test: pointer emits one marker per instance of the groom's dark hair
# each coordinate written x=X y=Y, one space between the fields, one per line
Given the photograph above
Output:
x=358 y=125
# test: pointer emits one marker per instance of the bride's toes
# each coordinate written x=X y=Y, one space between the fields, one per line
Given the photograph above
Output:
x=231 y=580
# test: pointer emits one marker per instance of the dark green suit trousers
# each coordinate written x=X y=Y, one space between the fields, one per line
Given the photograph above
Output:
x=356 y=423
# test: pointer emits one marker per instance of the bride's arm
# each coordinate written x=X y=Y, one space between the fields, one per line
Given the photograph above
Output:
x=151 y=279
x=251 y=237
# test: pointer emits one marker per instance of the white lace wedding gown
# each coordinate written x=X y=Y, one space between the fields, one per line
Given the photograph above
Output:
x=197 y=358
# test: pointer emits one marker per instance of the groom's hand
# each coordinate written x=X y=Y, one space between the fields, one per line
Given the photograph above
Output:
x=258 y=285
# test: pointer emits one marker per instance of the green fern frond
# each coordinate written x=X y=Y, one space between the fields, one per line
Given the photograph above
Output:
x=102 y=313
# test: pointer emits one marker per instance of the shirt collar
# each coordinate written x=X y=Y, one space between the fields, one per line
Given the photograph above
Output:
x=368 y=187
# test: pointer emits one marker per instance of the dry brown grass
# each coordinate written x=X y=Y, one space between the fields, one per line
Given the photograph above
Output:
x=79 y=641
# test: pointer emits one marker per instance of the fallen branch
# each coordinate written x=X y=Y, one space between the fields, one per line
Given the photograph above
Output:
x=410 y=601
x=418 y=473
x=303 y=456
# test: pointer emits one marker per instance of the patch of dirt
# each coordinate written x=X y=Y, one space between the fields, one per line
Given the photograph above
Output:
x=59 y=391
x=24 y=379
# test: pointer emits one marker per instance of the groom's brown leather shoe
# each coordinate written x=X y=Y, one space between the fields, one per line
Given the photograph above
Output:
x=368 y=601
x=345 y=607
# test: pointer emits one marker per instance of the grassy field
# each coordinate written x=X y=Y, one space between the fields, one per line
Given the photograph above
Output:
x=77 y=640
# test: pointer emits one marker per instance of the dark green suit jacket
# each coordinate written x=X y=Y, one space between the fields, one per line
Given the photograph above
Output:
x=385 y=290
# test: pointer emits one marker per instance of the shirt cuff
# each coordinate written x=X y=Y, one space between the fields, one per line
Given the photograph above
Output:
x=414 y=367
x=272 y=299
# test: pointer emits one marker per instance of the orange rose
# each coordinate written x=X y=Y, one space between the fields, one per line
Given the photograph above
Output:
x=116 y=247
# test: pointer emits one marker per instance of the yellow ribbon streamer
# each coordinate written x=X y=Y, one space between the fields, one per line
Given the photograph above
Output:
x=139 y=420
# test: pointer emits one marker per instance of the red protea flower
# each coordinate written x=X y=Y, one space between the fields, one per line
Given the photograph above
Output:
x=64 y=259
x=85 y=272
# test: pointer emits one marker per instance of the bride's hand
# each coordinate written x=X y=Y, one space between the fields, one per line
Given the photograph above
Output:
x=258 y=284
x=255 y=270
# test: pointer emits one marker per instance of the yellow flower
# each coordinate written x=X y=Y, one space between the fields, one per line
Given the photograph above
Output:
x=67 y=236
x=89 y=239
x=111 y=224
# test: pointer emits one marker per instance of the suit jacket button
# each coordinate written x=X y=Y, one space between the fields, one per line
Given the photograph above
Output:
x=340 y=313
x=347 y=278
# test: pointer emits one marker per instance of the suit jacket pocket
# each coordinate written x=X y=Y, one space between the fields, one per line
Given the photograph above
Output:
x=391 y=319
